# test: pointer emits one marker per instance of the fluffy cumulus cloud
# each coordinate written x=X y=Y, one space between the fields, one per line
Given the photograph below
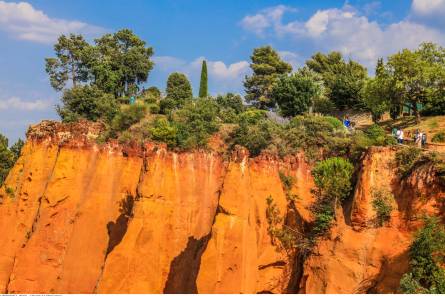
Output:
x=351 y=32
x=16 y=103
x=430 y=12
x=22 y=21
x=222 y=77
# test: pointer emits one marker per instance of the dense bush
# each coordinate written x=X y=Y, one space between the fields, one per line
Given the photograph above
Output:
x=286 y=180
x=230 y=106
x=438 y=137
x=127 y=116
x=332 y=179
x=406 y=159
x=196 y=122
x=316 y=135
x=427 y=254
x=382 y=205
x=8 y=156
x=323 y=106
x=88 y=102
x=164 y=131
x=167 y=105
x=255 y=131
x=151 y=95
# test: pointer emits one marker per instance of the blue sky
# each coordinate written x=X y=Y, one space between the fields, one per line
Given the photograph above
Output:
x=183 y=32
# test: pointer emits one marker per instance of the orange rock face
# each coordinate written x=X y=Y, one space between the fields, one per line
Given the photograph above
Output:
x=360 y=256
x=109 y=219
x=77 y=217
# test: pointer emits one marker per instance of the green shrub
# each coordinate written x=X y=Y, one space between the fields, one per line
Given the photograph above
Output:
x=324 y=215
x=230 y=106
x=316 y=135
x=196 y=122
x=255 y=131
x=166 y=106
x=88 y=102
x=128 y=116
x=153 y=108
x=438 y=137
x=427 y=258
x=286 y=180
x=382 y=205
x=285 y=236
x=406 y=158
x=151 y=95
x=333 y=178
x=165 y=132
x=7 y=159
x=324 y=106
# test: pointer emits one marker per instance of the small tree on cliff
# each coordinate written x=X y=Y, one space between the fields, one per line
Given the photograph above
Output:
x=204 y=81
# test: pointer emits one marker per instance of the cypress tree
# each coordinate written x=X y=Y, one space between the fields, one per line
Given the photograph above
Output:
x=203 y=84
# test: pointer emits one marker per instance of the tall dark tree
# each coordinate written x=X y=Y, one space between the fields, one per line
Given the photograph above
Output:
x=203 y=85
x=267 y=66
x=69 y=63
x=122 y=62
x=343 y=80
x=296 y=93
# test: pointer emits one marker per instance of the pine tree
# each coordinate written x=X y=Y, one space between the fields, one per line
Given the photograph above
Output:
x=203 y=84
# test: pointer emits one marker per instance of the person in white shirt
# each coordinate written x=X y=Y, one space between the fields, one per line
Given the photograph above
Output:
x=400 y=136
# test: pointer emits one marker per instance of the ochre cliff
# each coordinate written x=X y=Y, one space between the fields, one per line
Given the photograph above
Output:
x=78 y=217
x=359 y=256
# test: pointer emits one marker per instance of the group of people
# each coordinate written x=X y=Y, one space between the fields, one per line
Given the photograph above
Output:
x=419 y=137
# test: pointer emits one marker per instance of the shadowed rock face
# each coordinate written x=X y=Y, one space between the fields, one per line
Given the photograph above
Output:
x=84 y=218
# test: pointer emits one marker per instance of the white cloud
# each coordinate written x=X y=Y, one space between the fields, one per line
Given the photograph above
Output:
x=430 y=12
x=222 y=77
x=353 y=34
x=16 y=103
x=22 y=21
x=428 y=7
x=269 y=17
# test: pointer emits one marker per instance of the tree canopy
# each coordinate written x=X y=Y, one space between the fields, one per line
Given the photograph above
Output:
x=267 y=66
x=343 y=80
x=296 y=93
x=178 y=89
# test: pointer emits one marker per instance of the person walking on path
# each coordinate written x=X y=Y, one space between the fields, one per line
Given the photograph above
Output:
x=423 y=140
x=418 y=138
x=400 y=135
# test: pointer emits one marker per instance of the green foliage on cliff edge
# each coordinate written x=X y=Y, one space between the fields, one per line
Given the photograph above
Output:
x=427 y=258
x=8 y=156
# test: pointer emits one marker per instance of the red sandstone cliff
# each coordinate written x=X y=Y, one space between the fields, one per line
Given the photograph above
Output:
x=77 y=217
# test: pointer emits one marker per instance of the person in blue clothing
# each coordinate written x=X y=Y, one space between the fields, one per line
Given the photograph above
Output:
x=347 y=122
x=132 y=100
